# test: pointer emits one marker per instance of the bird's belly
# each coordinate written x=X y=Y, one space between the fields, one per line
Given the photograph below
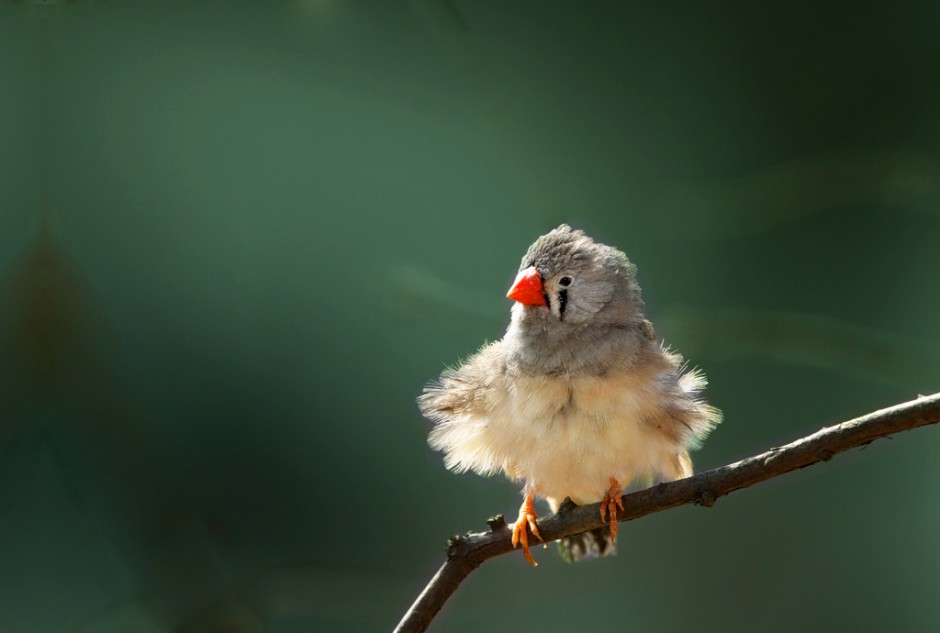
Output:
x=575 y=435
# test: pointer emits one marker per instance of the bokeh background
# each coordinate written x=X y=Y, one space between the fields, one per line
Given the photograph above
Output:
x=236 y=239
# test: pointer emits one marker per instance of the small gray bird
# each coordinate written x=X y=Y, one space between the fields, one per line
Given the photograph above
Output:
x=578 y=399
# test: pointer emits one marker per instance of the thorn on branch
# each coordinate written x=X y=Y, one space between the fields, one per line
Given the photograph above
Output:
x=496 y=523
x=456 y=546
x=706 y=498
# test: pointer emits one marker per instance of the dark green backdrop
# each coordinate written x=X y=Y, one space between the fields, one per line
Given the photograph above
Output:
x=236 y=239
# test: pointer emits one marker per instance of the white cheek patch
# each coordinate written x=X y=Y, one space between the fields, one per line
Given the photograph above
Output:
x=586 y=297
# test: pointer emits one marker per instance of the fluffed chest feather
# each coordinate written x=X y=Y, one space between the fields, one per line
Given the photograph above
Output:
x=568 y=437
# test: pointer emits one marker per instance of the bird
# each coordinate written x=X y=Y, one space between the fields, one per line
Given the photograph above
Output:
x=579 y=399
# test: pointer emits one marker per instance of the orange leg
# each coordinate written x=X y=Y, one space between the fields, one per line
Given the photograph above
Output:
x=525 y=522
x=612 y=501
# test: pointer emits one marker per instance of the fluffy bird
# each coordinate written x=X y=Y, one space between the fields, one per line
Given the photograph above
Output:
x=578 y=399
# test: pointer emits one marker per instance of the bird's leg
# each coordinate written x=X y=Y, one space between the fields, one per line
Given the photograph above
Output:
x=525 y=522
x=612 y=501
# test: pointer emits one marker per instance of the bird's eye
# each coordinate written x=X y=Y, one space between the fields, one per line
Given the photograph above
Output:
x=564 y=282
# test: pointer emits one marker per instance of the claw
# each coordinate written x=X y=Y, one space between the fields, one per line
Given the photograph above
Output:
x=520 y=529
x=612 y=501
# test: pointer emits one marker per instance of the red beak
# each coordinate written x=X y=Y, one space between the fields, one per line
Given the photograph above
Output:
x=527 y=288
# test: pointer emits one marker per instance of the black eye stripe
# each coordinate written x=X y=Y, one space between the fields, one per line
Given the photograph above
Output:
x=562 y=302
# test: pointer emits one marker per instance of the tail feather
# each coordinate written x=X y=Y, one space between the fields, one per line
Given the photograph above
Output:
x=593 y=544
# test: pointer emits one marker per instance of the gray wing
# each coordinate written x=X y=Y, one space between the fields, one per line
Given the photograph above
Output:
x=460 y=404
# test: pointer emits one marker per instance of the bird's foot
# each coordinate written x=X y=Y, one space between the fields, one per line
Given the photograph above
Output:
x=612 y=501
x=523 y=524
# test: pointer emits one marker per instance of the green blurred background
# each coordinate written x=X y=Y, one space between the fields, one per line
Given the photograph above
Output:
x=237 y=238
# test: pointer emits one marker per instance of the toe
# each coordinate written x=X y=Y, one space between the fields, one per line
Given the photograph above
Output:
x=535 y=528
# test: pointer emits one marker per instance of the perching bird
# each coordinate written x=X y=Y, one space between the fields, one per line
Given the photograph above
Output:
x=578 y=399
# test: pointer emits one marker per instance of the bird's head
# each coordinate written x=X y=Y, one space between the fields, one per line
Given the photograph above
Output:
x=567 y=281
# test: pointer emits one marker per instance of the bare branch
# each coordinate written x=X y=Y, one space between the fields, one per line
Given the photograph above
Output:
x=466 y=553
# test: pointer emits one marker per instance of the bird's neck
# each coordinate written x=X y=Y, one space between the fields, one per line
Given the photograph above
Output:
x=534 y=348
